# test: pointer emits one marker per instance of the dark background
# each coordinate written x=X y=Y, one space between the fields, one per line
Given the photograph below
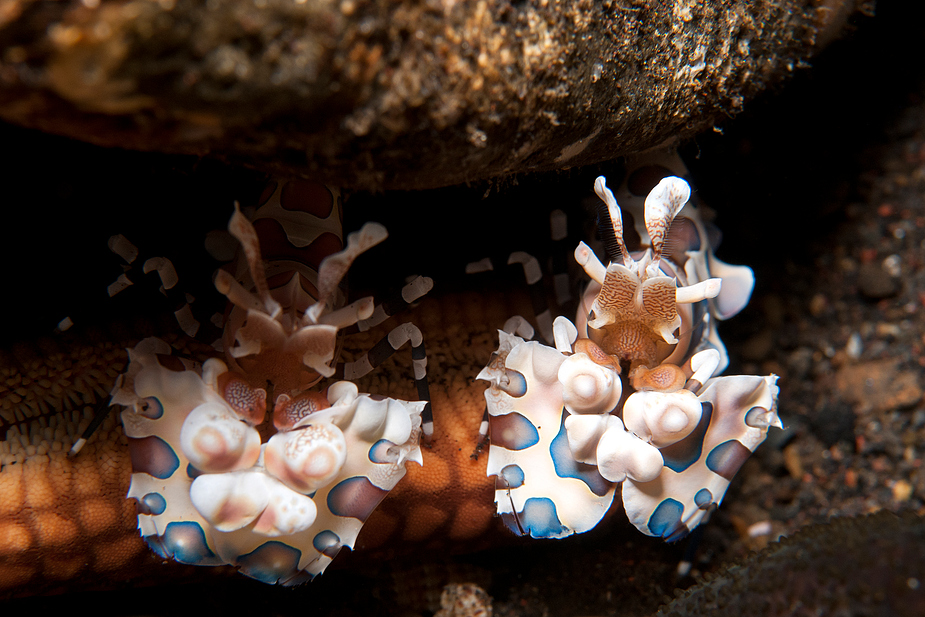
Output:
x=777 y=174
x=781 y=177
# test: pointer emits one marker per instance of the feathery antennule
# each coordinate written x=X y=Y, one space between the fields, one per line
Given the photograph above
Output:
x=616 y=219
x=335 y=266
x=605 y=229
x=662 y=204
x=244 y=231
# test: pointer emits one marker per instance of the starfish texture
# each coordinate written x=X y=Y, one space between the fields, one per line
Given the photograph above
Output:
x=65 y=521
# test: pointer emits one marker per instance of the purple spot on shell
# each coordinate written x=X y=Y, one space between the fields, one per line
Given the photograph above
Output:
x=355 y=497
x=681 y=455
x=186 y=542
x=726 y=458
x=154 y=456
x=513 y=431
x=191 y=472
x=152 y=503
x=327 y=542
x=270 y=562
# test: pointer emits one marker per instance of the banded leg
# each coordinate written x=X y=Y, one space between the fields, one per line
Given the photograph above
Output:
x=534 y=277
x=396 y=303
x=167 y=281
x=105 y=406
x=518 y=325
x=558 y=228
x=99 y=415
x=533 y=274
x=383 y=350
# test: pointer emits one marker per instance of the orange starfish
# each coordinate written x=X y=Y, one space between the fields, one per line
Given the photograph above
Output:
x=65 y=522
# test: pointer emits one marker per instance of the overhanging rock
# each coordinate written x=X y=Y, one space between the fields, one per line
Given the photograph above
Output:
x=382 y=95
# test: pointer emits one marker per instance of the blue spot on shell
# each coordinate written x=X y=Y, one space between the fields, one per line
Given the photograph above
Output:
x=186 y=542
x=270 y=562
x=726 y=458
x=512 y=476
x=152 y=503
x=540 y=518
x=380 y=452
x=703 y=499
x=191 y=472
x=327 y=542
x=567 y=467
x=153 y=456
x=666 y=522
x=517 y=383
x=151 y=407
x=513 y=431
x=355 y=497
x=681 y=455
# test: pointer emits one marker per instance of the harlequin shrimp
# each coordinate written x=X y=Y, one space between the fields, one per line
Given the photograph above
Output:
x=628 y=393
x=218 y=482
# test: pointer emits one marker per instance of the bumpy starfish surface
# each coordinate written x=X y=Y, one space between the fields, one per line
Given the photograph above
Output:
x=64 y=520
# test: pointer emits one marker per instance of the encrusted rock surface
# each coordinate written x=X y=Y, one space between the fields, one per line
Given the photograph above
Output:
x=380 y=94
